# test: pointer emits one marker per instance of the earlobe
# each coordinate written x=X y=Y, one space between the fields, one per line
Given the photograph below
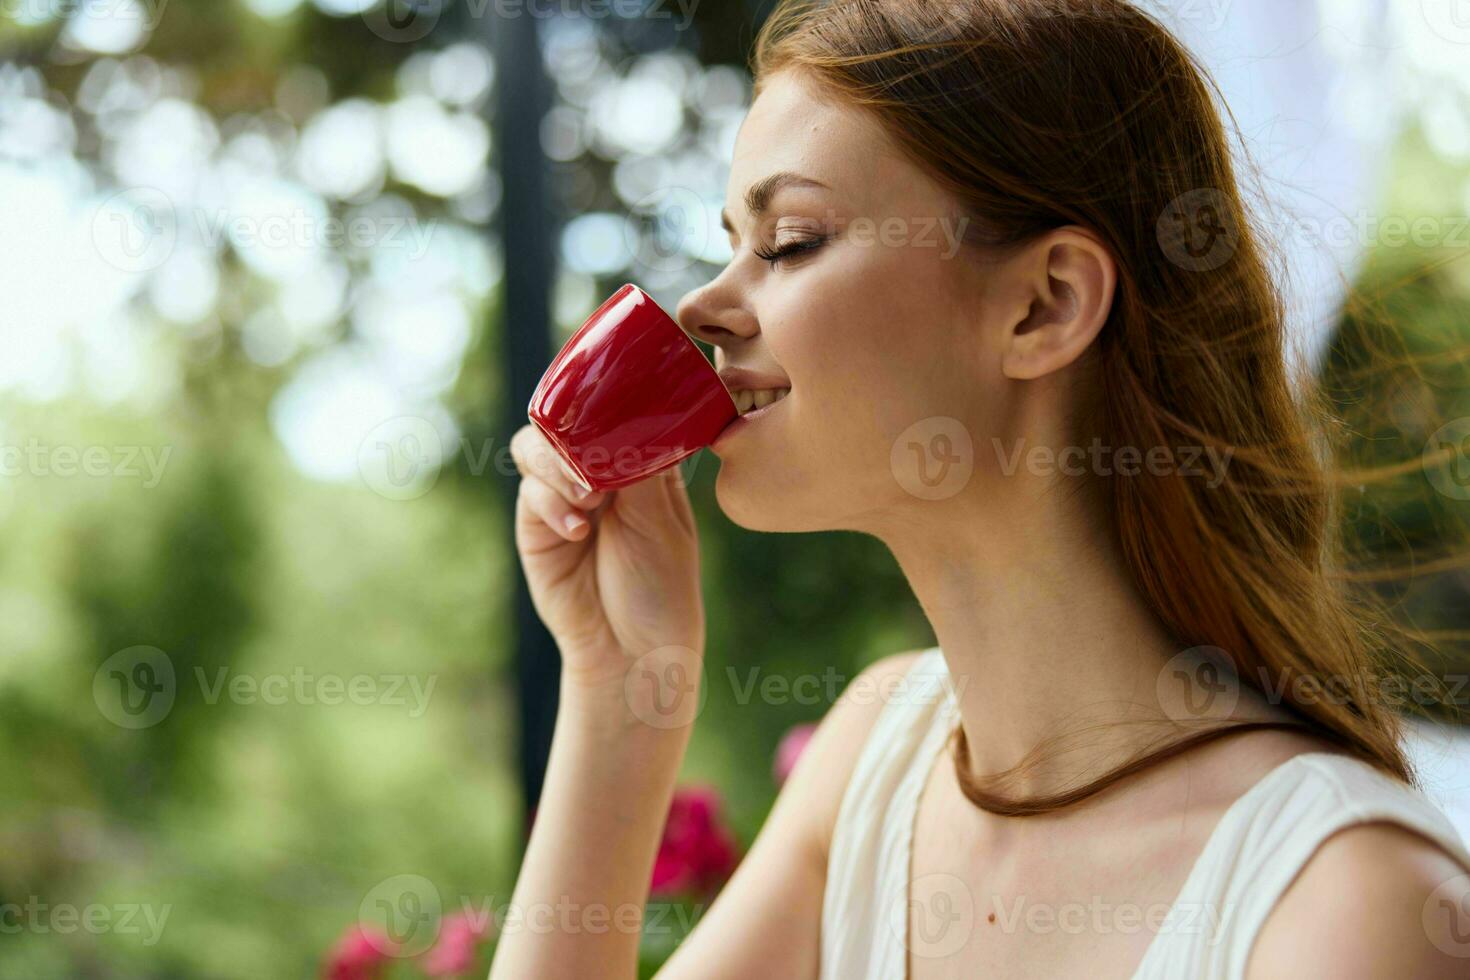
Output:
x=1070 y=281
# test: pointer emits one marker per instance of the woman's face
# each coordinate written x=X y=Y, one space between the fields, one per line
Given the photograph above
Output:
x=876 y=323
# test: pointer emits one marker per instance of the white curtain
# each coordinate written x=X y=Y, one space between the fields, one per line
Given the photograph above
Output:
x=1315 y=88
x=1305 y=82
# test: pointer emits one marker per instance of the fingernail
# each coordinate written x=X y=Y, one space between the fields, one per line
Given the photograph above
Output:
x=574 y=521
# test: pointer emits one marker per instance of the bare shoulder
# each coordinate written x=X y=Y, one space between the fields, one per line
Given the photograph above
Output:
x=1376 y=900
x=833 y=751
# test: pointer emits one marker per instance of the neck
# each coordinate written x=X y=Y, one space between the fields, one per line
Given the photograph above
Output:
x=1048 y=644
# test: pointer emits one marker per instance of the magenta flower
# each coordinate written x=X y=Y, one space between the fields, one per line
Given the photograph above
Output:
x=460 y=936
x=697 y=852
x=358 y=955
x=789 y=749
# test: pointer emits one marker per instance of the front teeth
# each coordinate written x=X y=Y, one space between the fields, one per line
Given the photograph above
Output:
x=748 y=400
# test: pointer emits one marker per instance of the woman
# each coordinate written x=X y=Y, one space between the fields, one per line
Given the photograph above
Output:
x=990 y=256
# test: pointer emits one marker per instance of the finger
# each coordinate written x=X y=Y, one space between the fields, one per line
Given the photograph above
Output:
x=535 y=456
x=677 y=488
x=553 y=510
x=654 y=489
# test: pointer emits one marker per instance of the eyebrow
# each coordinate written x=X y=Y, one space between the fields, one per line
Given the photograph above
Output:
x=758 y=195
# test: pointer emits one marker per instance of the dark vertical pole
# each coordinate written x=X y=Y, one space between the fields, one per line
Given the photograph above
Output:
x=523 y=98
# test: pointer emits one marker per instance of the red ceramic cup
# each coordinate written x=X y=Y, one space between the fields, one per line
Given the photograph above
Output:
x=629 y=395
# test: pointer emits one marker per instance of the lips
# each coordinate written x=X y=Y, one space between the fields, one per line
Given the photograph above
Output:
x=744 y=421
x=755 y=393
x=744 y=379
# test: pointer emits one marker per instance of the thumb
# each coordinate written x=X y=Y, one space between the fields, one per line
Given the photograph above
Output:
x=652 y=488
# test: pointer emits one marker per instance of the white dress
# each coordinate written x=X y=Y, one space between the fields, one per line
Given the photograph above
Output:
x=1261 y=842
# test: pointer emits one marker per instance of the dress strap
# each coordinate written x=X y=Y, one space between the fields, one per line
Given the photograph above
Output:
x=866 y=894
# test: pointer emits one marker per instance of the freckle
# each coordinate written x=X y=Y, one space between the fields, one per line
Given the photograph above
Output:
x=990 y=917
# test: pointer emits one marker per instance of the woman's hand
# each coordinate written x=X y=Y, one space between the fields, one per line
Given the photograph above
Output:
x=619 y=590
x=615 y=575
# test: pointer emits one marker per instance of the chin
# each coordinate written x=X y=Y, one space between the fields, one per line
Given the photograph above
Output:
x=762 y=504
x=741 y=504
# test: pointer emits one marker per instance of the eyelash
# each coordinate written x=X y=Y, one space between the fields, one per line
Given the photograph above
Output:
x=774 y=256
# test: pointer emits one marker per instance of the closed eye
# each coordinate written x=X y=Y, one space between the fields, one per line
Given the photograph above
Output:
x=790 y=250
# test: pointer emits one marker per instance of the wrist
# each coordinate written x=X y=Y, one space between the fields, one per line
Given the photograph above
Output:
x=658 y=695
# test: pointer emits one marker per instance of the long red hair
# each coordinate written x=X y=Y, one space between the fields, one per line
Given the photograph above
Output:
x=1038 y=114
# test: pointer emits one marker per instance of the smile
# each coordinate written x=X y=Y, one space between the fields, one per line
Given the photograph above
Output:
x=751 y=401
x=752 y=405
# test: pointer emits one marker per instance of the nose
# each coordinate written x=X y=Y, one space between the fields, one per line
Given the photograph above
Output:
x=717 y=314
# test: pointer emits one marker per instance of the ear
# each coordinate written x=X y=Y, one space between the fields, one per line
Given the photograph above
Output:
x=1067 y=283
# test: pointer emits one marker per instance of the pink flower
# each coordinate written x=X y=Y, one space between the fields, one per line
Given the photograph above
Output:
x=697 y=853
x=792 y=744
x=358 y=955
x=460 y=935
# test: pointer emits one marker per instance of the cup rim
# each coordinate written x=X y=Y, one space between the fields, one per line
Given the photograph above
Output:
x=562 y=451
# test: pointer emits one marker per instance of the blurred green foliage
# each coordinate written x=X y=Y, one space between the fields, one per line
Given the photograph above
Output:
x=1397 y=378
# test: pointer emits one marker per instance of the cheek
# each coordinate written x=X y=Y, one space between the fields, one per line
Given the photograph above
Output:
x=866 y=322
x=866 y=336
